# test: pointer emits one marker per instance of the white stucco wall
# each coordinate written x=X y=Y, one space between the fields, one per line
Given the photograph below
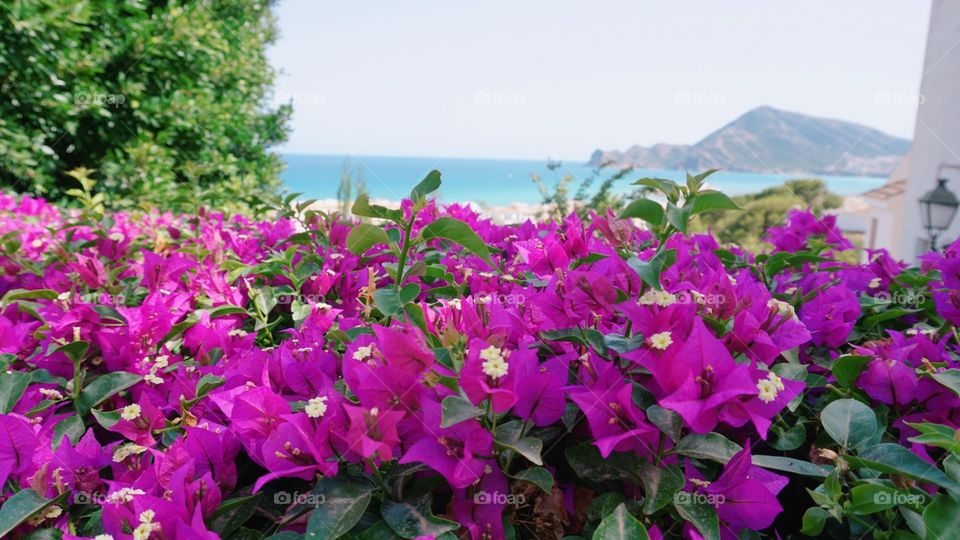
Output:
x=936 y=144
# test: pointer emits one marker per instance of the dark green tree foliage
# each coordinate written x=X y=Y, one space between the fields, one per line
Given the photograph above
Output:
x=166 y=101
x=767 y=208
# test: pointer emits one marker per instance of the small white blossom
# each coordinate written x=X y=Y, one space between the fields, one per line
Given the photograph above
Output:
x=362 y=353
x=494 y=365
x=660 y=340
x=130 y=412
x=316 y=407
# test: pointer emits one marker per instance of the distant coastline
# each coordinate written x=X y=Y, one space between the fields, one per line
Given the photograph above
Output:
x=503 y=182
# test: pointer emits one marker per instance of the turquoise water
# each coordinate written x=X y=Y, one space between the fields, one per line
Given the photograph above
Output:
x=500 y=181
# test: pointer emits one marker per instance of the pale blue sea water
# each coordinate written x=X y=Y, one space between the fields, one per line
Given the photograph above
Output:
x=501 y=181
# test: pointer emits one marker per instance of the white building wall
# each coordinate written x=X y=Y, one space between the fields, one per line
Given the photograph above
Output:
x=936 y=143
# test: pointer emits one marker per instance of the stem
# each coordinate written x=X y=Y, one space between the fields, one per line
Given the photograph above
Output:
x=407 y=228
x=77 y=379
x=376 y=472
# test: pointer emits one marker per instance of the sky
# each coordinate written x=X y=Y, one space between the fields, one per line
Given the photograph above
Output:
x=534 y=79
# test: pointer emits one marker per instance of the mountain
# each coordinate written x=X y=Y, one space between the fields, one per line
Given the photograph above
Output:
x=769 y=140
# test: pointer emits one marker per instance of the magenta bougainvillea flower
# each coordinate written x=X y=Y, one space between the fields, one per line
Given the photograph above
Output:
x=171 y=377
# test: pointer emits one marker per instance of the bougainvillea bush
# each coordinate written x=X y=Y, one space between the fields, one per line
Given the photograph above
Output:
x=429 y=374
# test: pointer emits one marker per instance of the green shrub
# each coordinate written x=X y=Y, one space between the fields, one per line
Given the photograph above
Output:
x=166 y=101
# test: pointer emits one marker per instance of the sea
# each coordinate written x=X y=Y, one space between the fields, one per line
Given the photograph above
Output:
x=500 y=182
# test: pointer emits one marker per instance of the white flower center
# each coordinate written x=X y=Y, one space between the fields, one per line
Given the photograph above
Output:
x=362 y=353
x=494 y=365
x=769 y=388
x=660 y=340
x=316 y=407
x=130 y=412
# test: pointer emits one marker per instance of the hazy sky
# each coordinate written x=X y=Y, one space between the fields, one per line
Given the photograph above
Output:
x=537 y=79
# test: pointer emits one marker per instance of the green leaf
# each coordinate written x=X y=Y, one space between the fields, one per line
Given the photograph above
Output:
x=591 y=258
x=791 y=465
x=12 y=386
x=665 y=186
x=388 y=302
x=942 y=517
x=102 y=388
x=18 y=508
x=225 y=310
x=649 y=271
x=207 y=383
x=364 y=236
x=620 y=525
x=788 y=439
x=379 y=531
x=107 y=419
x=588 y=464
x=848 y=368
x=362 y=207
x=622 y=344
x=891 y=458
x=509 y=435
x=668 y=421
x=409 y=293
x=232 y=513
x=428 y=185
x=936 y=435
x=678 y=217
x=712 y=446
x=702 y=516
x=587 y=337
x=537 y=475
x=456 y=409
x=949 y=378
x=712 y=201
x=660 y=484
x=413 y=518
x=75 y=350
x=871 y=498
x=28 y=294
x=459 y=232
x=877 y=318
x=813 y=521
x=849 y=422
x=645 y=209
x=344 y=503
x=71 y=426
